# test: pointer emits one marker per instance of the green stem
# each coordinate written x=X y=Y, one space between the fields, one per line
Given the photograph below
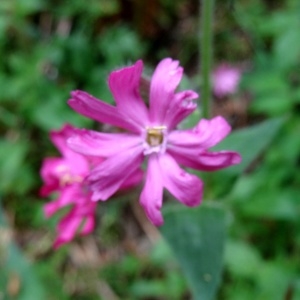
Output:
x=206 y=51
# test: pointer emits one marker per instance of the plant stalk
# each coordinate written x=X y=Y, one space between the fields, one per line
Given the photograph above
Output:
x=206 y=50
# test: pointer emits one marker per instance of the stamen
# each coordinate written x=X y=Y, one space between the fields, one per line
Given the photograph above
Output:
x=155 y=135
x=69 y=179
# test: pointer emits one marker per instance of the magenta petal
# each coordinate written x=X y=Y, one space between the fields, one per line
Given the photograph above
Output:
x=59 y=137
x=180 y=107
x=49 y=175
x=165 y=80
x=67 y=229
x=74 y=162
x=152 y=194
x=205 y=135
x=207 y=161
x=110 y=175
x=94 y=143
x=124 y=85
x=88 y=226
x=185 y=187
x=212 y=131
x=133 y=180
x=81 y=219
x=68 y=195
x=100 y=111
x=211 y=161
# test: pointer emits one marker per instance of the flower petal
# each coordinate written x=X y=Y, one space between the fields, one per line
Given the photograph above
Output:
x=80 y=218
x=100 y=111
x=185 y=187
x=152 y=194
x=59 y=137
x=205 y=135
x=225 y=80
x=49 y=175
x=206 y=161
x=109 y=176
x=75 y=162
x=133 y=180
x=124 y=85
x=180 y=107
x=93 y=143
x=66 y=229
x=88 y=226
x=165 y=80
x=68 y=195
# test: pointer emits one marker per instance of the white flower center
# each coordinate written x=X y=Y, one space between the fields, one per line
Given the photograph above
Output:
x=68 y=179
x=65 y=177
x=155 y=139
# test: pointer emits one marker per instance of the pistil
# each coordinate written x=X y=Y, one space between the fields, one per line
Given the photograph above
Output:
x=155 y=139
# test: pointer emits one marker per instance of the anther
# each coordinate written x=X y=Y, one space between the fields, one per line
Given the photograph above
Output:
x=155 y=135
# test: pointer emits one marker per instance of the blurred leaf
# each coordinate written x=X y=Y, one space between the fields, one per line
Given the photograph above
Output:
x=266 y=81
x=264 y=201
x=12 y=156
x=274 y=104
x=242 y=259
x=120 y=45
x=287 y=45
x=274 y=280
x=197 y=238
x=272 y=94
x=17 y=277
x=250 y=143
x=171 y=287
x=28 y=6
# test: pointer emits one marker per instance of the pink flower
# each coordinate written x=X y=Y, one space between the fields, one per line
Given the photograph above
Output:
x=152 y=136
x=225 y=80
x=65 y=175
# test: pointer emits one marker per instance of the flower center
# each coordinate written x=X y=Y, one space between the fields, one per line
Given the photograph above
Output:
x=65 y=177
x=68 y=179
x=155 y=139
x=155 y=136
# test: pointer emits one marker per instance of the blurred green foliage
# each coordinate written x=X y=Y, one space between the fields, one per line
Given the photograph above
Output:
x=48 y=48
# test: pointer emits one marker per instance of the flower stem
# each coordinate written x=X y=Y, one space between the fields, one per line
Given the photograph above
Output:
x=206 y=51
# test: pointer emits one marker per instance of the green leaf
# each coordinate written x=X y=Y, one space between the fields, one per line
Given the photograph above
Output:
x=250 y=142
x=12 y=157
x=242 y=259
x=17 y=277
x=285 y=55
x=197 y=238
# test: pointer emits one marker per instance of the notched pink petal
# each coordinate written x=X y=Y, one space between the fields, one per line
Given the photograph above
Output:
x=206 y=134
x=207 y=161
x=212 y=161
x=185 y=187
x=152 y=194
x=124 y=85
x=100 y=111
x=165 y=80
x=110 y=175
x=212 y=131
x=93 y=143
x=180 y=107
